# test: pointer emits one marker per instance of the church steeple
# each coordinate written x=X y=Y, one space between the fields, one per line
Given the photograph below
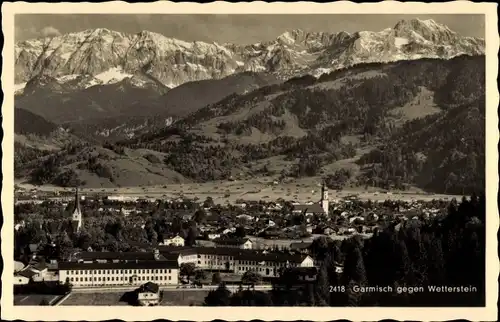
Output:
x=325 y=203
x=77 y=201
x=77 y=212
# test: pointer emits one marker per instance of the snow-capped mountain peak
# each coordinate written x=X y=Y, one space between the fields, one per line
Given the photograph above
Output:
x=110 y=56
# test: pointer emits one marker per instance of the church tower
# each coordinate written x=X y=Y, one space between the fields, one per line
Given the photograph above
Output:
x=77 y=213
x=325 y=204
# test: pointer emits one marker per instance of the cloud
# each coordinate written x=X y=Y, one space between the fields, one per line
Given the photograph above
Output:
x=50 y=31
x=32 y=32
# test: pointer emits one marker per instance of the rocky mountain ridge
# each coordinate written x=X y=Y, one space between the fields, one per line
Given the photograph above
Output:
x=104 y=56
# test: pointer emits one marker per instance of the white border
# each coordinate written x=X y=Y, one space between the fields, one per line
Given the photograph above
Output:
x=489 y=313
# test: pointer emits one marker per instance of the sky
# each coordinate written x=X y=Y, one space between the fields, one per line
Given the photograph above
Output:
x=240 y=29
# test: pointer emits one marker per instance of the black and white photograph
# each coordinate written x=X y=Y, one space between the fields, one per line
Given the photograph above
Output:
x=237 y=159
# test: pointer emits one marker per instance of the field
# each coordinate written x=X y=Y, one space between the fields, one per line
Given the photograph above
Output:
x=34 y=299
x=98 y=299
x=303 y=190
x=170 y=298
x=184 y=298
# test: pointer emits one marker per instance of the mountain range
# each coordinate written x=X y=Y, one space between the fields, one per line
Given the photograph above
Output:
x=305 y=104
x=109 y=56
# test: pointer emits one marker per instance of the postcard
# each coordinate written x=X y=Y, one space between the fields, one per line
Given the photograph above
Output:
x=313 y=160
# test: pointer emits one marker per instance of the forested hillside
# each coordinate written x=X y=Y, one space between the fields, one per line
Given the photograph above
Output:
x=397 y=267
x=409 y=123
x=431 y=109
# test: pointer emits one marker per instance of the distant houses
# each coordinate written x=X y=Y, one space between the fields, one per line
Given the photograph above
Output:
x=302 y=247
x=243 y=243
x=36 y=272
x=175 y=241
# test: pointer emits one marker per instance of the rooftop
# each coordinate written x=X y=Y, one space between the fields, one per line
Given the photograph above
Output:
x=26 y=273
x=312 y=208
x=121 y=265
x=149 y=287
x=232 y=241
x=243 y=254
x=122 y=256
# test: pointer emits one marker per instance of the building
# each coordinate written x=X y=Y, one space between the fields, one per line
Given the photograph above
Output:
x=148 y=294
x=302 y=247
x=39 y=270
x=212 y=236
x=325 y=202
x=240 y=261
x=270 y=264
x=18 y=266
x=175 y=241
x=116 y=257
x=244 y=243
x=204 y=243
x=295 y=278
x=131 y=273
x=309 y=210
x=320 y=208
x=23 y=277
x=306 y=274
x=77 y=218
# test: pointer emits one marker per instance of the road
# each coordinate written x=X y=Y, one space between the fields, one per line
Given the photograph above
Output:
x=170 y=288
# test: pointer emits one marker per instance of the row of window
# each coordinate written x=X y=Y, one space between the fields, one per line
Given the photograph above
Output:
x=241 y=262
x=216 y=256
x=120 y=271
x=99 y=284
x=267 y=263
x=216 y=263
x=121 y=278
x=260 y=269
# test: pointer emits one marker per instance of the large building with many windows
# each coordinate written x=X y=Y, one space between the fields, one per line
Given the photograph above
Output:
x=81 y=274
x=236 y=260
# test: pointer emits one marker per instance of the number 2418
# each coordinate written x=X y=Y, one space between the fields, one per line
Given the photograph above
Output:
x=337 y=289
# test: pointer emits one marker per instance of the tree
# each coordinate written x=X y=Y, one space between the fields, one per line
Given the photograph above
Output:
x=354 y=267
x=65 y=245
x=199 y=276
x=240 y=232
x=208 y=203
x=187 y=270
x=67 y=287
x=216 y=278
x=251 y=278
x=354 y=274
x=199 y=216
x=322 y=291
x=218 y=297
x=320 y=246
x=191 y=236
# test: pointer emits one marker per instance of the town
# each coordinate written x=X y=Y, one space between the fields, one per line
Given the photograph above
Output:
x=70 y=246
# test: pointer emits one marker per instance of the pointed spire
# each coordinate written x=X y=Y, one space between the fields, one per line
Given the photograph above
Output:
x=77 y=201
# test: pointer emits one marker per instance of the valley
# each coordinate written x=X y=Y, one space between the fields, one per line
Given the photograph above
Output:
x=231 y=192
x=373 y=124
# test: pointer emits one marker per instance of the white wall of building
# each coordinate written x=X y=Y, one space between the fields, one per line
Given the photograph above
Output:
x=119 y=277
x=176 y=241
x=148 y=298
x=21 y=280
